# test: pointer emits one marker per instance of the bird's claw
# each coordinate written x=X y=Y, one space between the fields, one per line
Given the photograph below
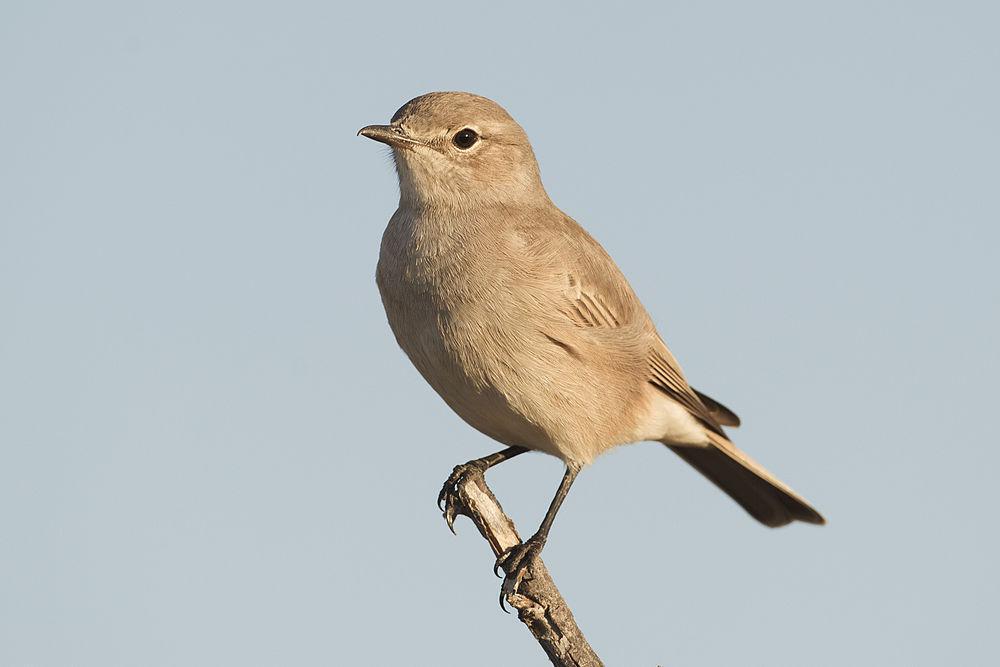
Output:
x=448 y=500
x=516 y=562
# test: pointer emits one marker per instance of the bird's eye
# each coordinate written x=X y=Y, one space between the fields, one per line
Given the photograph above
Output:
x=465 y=139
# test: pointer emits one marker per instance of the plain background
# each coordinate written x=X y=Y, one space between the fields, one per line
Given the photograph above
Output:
x=213 y=453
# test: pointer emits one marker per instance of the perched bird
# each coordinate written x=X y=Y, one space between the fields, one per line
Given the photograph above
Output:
x=523 y=323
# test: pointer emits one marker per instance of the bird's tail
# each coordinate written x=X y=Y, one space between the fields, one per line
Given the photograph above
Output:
x=747 y=482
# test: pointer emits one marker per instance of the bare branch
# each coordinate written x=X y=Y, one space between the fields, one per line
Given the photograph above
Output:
x=539 y=604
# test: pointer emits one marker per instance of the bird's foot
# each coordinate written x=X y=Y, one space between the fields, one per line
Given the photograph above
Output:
x=515 y=562
x=448 y=500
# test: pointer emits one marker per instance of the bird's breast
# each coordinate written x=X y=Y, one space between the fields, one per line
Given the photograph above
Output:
x=448 y=298
x=437 y=265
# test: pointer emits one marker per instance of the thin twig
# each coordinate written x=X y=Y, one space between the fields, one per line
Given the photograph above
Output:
x=539 y=604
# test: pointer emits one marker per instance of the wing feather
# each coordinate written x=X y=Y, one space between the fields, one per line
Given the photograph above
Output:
x=599 y=299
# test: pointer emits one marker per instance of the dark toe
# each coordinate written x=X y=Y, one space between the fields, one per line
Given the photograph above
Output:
x=448 y=501
x=515 y=562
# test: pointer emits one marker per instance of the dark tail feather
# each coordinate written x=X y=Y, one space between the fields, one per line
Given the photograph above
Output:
x=747 y=482
x=719 y=412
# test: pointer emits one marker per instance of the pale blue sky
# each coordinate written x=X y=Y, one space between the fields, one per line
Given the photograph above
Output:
x=213 y=453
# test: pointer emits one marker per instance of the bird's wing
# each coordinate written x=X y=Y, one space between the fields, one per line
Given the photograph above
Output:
x=666 y=375
x=597 y=300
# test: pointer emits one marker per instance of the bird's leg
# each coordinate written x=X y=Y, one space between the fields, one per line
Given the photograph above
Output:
x=516 y=560
x=448 y=498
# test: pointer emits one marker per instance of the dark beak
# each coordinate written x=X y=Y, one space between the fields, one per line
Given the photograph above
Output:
x=393 y=135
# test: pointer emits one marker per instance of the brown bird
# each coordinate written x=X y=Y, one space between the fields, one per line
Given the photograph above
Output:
x=523 y=323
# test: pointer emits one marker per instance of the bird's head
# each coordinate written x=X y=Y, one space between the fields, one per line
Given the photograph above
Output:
x=459 y=150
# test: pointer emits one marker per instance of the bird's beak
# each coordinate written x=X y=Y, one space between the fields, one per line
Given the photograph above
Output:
x=393 y=135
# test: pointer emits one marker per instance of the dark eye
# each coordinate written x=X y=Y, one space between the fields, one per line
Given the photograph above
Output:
x=465 y=139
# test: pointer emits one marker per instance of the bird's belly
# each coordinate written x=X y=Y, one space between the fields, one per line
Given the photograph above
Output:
x=472 y=362
x=513 y=384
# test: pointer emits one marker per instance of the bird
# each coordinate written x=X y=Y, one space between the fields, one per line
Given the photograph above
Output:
x=526 y=327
